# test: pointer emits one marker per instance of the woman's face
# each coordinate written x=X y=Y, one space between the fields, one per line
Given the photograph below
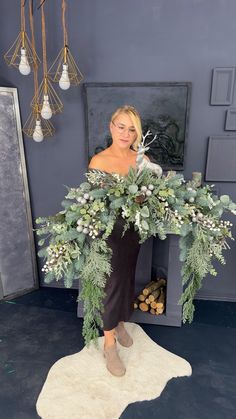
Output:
x=123 y=131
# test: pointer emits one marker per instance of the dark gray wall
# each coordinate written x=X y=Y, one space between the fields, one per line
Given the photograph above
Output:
x=129 y=40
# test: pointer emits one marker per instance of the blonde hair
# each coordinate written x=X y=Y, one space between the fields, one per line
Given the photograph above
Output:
x=136 y=120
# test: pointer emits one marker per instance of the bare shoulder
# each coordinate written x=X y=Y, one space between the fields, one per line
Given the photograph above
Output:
x=97 y=161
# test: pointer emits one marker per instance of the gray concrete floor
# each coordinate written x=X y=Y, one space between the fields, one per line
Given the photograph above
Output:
x=41 y=327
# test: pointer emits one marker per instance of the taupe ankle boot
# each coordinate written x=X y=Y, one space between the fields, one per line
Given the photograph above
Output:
x=113 y=361
x=122 y=336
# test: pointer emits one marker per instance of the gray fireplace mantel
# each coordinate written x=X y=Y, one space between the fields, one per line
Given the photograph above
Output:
x=167 y=265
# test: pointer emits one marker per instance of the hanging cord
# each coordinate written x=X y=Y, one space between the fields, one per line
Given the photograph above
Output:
x=65 y=35
x=22 y=21
x=35 y=62
x=41 y=4
x=44 y=44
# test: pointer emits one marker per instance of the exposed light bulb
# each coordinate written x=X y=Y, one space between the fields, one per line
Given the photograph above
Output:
x=24 y=67
x=46 y=111
x=38 y=133
x=64 y=81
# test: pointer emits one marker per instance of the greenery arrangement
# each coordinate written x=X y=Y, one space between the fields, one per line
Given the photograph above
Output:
x=75 y=244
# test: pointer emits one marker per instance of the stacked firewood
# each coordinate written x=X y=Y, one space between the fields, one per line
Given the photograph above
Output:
x=153 y=297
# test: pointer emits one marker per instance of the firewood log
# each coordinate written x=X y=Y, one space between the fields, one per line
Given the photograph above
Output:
x=161 y=282
x=153 y=304
x=141 y=297
x=154 y=295
x=148 y=290
x=161 y=299
x=157 y=284
x=144 y=306
x=159 y=310
x=150 y=283
x=136 y=303
x=147 y=301
x=152 y=311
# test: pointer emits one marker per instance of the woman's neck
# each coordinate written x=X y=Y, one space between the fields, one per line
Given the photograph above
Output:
x=118 y=152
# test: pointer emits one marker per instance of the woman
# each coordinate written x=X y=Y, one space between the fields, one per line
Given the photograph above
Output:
x=126 y=133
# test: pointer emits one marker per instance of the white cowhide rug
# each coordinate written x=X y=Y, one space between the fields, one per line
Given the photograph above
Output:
x=80 y=387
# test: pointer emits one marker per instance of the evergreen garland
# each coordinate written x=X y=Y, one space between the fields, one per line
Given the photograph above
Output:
x=75 y=244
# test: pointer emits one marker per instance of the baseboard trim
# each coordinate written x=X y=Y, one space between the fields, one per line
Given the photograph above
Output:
x=212 y=297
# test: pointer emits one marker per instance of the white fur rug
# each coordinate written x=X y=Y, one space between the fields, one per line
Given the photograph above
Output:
x=79 y=386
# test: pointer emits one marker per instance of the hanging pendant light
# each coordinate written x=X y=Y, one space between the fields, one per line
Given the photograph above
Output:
x=46 y=100
x=35 y=126
x=22 y=54
x=64 y=69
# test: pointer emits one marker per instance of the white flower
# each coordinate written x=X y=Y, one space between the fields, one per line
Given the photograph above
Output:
x=125 y=211
x=137 y=220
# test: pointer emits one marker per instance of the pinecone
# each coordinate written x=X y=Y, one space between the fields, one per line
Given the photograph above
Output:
x=140 y=198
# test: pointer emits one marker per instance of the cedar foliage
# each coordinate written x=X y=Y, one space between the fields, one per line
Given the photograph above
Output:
x=156 y=207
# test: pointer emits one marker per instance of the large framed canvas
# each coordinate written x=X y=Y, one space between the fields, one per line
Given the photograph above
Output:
x=18 y=265
x=164 y=109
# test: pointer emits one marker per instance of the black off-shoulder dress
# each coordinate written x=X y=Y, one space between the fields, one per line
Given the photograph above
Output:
x=120 y=285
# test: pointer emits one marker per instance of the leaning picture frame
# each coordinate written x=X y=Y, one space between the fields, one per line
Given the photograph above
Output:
x=164 y=108
x=220 y=161
x=18 y=261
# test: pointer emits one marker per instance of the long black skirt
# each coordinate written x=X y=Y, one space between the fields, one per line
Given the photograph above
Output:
x=120 y=286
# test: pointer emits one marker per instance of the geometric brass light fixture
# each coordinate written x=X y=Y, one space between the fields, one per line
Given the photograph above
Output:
x=22 y=54
x=64 y=69
x=35 y=126
x=46 y=101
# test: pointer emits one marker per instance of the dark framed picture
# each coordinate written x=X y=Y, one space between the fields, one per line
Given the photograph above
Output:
x=222 y=85
x=164 y=110
x=220 y=163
